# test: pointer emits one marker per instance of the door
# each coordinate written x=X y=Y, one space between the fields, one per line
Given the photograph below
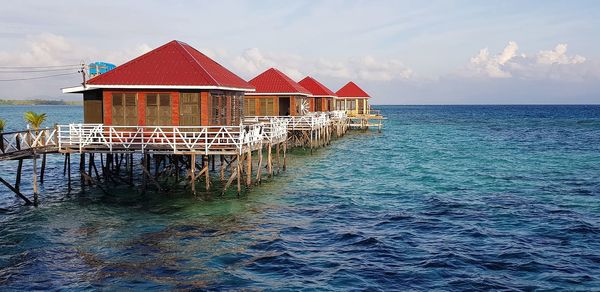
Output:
x=284 y=106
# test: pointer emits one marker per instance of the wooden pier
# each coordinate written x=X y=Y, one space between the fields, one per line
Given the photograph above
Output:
x=115 y=154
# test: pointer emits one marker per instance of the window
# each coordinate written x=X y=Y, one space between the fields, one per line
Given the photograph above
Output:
x=319 y=104
x=237 y=108
x=250 y=106
x=218 y=106
x=266 y=107
x=351 y=104
x=189 y=109
x=124 y=109
x=158 y=109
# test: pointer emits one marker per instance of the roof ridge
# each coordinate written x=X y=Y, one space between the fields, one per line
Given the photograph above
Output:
x=198 y=65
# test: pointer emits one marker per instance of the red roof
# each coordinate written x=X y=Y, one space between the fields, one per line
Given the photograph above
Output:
x=315 y=87
x=274 y=81
x=172 y=64
x=351 y=90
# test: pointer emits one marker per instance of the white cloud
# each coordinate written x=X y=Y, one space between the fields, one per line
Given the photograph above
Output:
x=558 y=56
x=546 y=64
x=254 y=61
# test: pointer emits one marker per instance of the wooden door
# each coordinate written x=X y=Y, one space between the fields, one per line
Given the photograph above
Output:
x=189 y=109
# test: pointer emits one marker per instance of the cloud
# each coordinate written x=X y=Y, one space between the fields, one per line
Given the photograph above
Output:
x=553 y=64
x=254 y=61
x=558 y=56
x=47 y=49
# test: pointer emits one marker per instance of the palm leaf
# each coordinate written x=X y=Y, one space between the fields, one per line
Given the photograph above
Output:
x=35 y=120
x=2 y=125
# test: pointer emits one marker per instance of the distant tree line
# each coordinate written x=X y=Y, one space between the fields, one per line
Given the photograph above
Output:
x=37 y=102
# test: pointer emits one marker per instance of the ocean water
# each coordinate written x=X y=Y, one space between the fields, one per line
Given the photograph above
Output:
x=446 y=197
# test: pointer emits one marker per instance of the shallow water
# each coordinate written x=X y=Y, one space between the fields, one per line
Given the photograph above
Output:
x=447 y=197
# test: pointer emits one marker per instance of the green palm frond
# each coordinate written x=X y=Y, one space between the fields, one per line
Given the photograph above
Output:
x=2 y=125
x=34 y=119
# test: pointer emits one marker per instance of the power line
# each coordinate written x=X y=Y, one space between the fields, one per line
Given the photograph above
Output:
x=42 y=67
x=38 y=77
x=34 y=71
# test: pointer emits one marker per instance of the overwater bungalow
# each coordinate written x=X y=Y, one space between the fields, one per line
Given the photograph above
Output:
x=322 y=96
x=353 y=100
x=172 y=85
x=276 y=95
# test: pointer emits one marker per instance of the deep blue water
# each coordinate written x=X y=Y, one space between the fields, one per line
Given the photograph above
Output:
x=447 y=197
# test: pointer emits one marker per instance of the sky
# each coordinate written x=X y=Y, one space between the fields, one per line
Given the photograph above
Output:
x=400 y=52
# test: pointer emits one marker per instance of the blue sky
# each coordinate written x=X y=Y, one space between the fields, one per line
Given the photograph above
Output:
x=401 y=52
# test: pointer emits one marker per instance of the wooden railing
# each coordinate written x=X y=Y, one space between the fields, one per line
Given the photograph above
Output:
x=12 y=143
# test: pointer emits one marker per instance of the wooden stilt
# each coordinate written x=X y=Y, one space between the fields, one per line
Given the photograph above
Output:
x=239 y=174
x=16 y=191
x=35 y=178
x=270 y=160
x=65 y=165
x=249 y=168
x=69 y=172
x=19 y=171
x=259 y=166
x=278 y=160
x=284 y=156
x=222 y=167
x=43 y=170
x=193 y=173
x=207 y=173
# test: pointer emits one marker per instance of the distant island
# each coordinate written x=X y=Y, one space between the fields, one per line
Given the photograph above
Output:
x=38 y=102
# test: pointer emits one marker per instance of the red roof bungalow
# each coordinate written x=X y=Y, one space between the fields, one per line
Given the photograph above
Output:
x=352 y=99
x=172 y=85
x=276 y=95
x=322 y=97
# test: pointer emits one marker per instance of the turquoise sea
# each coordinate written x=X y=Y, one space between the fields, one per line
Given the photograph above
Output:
x=445 y=198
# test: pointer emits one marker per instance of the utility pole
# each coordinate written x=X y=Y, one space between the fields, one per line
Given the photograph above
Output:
x=82 y=71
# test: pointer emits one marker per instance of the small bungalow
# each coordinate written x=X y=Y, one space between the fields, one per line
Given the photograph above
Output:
x=172 y=85
x=352 y=99
x=276 y=95
x=322 y=96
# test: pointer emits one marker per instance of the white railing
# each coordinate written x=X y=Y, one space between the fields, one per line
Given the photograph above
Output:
x=11 y=142
x=310 y=121
x=163 y=139
x=338 y=115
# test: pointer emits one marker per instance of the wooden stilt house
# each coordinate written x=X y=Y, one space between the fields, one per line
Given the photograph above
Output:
x=323 y=97
x=353 y=100
x=172 y=85
x=276 y=95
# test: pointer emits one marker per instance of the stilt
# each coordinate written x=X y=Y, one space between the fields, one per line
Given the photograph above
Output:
x=43 y=170
x=193 y=172
x=69 y=172
x=65 y=165
x=270 y=160
x=239 y=174
x=35 y=186
x=130 y=169
x=284 y=155
x=278 y=160
x=249 y=168
x=259 y=166
x=17 y=192
x=222 y=167
x=18 y=179
x=206 y=173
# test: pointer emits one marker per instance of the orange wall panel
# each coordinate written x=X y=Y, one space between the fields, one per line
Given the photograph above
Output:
x=175 y=108
x=107 y=100
x=204 y=106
